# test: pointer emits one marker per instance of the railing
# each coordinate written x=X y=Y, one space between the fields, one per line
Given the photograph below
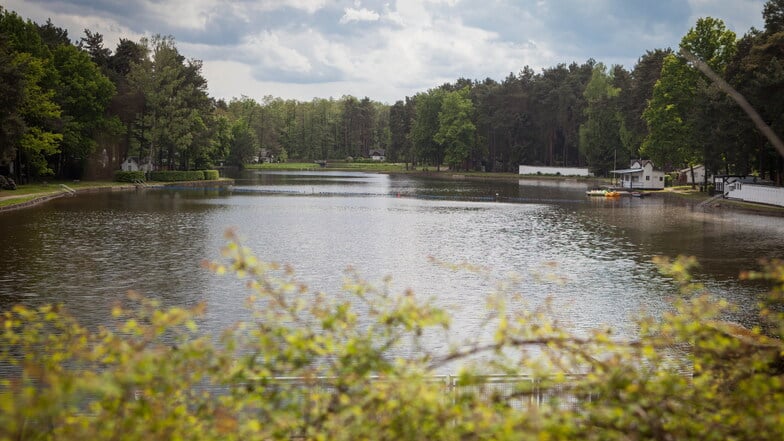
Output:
x=68 y=189
x=518 y=391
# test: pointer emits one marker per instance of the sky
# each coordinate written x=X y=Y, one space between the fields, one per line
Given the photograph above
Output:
x=387 y=49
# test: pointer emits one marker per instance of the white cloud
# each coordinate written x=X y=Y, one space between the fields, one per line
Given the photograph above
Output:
x=296 y=49
x=190 y=14
x=309 y=6
x=75 y=24
x=738 y=15
x=272 y=50
x=364 y=14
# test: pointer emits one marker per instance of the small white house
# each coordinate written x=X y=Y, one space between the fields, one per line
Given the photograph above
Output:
x=132 y=164
x=640 y=175
x=684 y=175
x=378 y=155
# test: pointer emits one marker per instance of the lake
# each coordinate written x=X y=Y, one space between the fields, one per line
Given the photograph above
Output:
x=545 y=238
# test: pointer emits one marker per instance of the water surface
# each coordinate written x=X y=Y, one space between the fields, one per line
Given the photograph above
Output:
x=591 y=255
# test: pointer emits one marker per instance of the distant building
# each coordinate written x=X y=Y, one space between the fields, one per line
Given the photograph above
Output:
x=684 y=175
x=750 y=189
x=640 y=175
x=557 y=171
x=265 y=156
x=132 y=164
x=378 y=155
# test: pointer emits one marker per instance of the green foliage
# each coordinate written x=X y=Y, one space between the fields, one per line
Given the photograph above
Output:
x=600 y=134
x=683 y=113
x=711 y=41
x=128 y=176
x=12 y=125
x=39 y=111
x=425 y=126
x=244 y=144
x=670 y=127
x=83 y=93
x=147 y=100
x=356 y=366
x=773 y=14
x=455 y=129
x=175 y=175
x=171 y=127
x=211 y=175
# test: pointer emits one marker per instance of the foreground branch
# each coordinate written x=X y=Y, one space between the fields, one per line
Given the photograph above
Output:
x=740 y=99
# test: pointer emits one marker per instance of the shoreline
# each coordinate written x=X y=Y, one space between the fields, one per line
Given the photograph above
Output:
x=686 y=193
x=33 y=199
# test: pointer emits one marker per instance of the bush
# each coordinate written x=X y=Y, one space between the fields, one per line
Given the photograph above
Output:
x=128 y=176
x=176 y=175
x=352 y=375
x=211 y=175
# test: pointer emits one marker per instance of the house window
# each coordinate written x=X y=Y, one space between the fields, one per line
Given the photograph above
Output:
x=647 y=178
x=661 y=178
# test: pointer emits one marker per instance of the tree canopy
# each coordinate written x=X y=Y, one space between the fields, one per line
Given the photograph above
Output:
x=67 y=102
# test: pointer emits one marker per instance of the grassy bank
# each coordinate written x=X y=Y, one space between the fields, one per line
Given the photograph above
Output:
x=29 y=193
x=687 y=192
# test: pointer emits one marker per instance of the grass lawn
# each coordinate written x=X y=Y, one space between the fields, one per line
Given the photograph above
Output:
x=687 y=192
x=28 y=192
x=16 y=200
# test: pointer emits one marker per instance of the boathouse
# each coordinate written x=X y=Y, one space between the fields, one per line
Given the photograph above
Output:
x=640 y=175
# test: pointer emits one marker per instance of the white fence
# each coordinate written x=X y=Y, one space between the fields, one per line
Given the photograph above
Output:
x=762 y=194
x=562 y=171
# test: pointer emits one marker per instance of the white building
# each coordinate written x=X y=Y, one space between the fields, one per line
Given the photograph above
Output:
x=640 y=175
x=684 y=175
x=749 y=189
x=132 y=164
x=378 y=155
x=556 y=171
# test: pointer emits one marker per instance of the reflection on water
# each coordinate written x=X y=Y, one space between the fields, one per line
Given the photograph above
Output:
x=591 y=255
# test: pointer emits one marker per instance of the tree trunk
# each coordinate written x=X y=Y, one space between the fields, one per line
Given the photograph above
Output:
x=693 y=181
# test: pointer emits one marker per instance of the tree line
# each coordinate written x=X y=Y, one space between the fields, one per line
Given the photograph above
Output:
x=74 y=109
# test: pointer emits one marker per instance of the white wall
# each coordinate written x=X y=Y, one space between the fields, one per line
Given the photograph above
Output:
x=763 y=194
x=563 y=171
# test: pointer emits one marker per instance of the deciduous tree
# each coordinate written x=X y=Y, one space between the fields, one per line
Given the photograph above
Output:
x=455 y=128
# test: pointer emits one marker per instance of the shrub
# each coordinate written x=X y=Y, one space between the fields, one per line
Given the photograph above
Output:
x=352 y=375
x=211 y=175
x=176 y=175
x=128 y=176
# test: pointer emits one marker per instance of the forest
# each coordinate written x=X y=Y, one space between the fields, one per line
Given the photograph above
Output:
x=75 y=109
